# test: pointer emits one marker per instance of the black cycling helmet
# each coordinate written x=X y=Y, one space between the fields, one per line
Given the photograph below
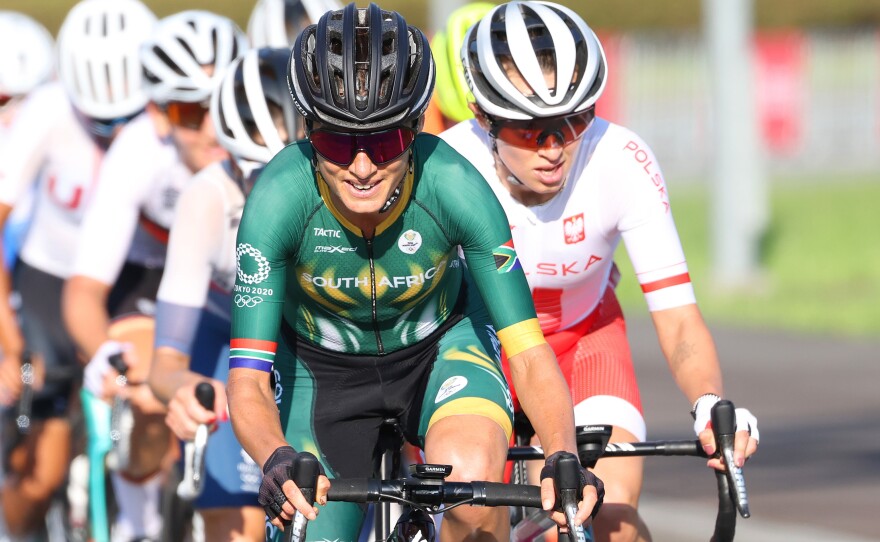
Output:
x=361 y=69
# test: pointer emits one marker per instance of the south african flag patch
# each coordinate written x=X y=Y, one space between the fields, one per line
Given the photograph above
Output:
x=506 y=259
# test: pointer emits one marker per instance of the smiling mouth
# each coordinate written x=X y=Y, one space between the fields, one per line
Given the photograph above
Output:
x=362 y=188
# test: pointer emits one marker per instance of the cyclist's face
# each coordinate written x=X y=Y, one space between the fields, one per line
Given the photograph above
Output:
x=362 y=187
x=196 y=142
x=198 y=147
x=543 y=171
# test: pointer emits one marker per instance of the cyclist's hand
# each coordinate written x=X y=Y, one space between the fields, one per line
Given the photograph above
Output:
x=10 y=380
x=185 y=413
x=280 y=497
x=592 y=493
x=746 y=439
x=100 y=377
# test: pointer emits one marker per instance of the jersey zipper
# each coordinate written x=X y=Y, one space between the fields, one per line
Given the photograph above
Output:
x=379 y=347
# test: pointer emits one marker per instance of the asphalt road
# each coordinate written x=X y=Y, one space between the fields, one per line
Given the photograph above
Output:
x=816 y=475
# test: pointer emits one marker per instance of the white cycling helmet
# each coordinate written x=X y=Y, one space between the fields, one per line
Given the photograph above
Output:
x=519 y=36
x=249 y=103
x=98 y=56
x=183 y=44
x=276 y=23
x=26 y=54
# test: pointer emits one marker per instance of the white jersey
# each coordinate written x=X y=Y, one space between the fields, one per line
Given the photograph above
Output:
x=47 y=141
x=615 y=191
x=128 y=220
x=201 y=249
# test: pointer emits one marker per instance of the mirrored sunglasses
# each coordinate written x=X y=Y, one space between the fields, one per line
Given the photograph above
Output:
x=187 y=114
x=381 y=147
x=538 y=132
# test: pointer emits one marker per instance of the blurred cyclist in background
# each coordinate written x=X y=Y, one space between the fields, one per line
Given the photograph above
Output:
x=61 y=130
x=121 y=249
x=27 y=59
x=450 y=103
x=573 y=186
x=255 y=118
x=276 y=23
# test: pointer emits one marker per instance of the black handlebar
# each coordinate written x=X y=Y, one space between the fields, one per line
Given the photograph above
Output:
x=433 y=492
x=420 y=493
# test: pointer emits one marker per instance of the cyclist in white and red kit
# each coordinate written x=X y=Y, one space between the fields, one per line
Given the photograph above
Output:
x=121 y=249
x=573 y=186
x=55 y=148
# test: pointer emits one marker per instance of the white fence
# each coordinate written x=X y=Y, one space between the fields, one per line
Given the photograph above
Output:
x=818 y=92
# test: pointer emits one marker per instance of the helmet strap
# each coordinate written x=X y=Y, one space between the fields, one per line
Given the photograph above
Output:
x=511 y=178
x=395 y=194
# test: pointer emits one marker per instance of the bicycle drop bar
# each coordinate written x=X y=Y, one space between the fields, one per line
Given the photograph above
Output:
x=418 y=493
x=26 y=399
x=732 y=495
x=428 y=493
x=121 y=420
x=192 y=484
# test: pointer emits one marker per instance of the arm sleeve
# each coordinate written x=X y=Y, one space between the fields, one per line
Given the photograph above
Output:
x=176 y=326
x=24 y=148
x=109 y=224
x=479 y=225
x=648 y=229
x=196 y=235
x=265 y=244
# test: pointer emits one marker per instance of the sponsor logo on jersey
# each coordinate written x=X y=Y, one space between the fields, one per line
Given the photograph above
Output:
x=169 y=197
x=506 y=259
x=71 y=202
x=245 y=253
x=334 y=249
x=450 y=387
x=573 y=227
x=321 y=232
x=410 y=242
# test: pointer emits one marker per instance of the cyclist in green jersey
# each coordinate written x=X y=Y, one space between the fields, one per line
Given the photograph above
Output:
x=351 y=288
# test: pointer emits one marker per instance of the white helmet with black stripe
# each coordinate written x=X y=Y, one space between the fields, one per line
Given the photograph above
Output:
x=27 y=55
x=276 y=23
x=252 y=110
x=530 y=39
x=98 y=63
x=184 y=44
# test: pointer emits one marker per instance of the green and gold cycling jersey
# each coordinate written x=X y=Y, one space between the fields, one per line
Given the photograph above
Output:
x=301 y=261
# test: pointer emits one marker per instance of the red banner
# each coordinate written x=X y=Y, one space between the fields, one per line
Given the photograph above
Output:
x=608 y=106
x=781 y=89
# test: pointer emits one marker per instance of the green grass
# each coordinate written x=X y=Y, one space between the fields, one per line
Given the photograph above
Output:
x=821 y=260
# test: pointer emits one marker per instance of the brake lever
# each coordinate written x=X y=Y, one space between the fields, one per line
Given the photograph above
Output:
x=304 y=473
x=121 y=420
x=192 y=484
x=26 y=399
x=568 y=480
x=724 y=426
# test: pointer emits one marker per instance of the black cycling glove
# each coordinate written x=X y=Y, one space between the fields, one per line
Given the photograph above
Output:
x=276 y=471
x=586 y=478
